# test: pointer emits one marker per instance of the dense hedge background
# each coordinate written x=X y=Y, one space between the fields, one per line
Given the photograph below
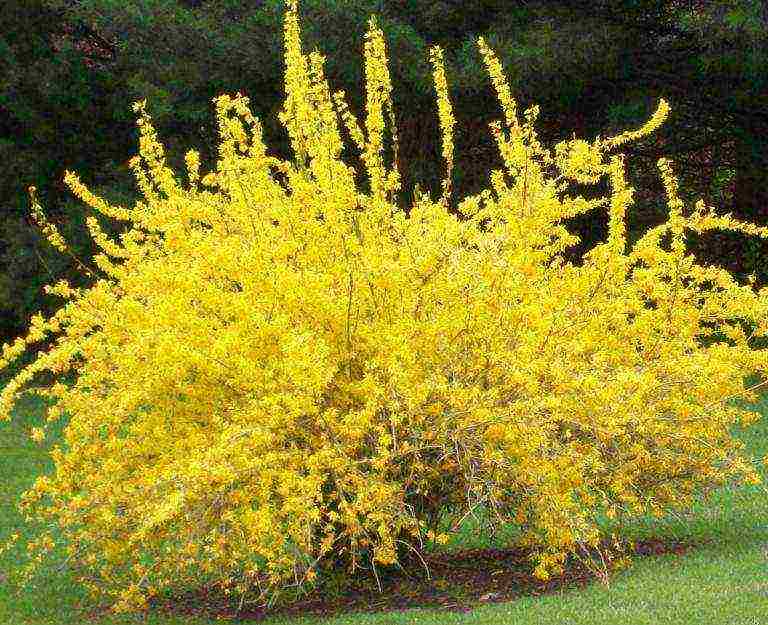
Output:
x=73 y=67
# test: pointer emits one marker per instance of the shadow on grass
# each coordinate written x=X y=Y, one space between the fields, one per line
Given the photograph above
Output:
x=459 y=581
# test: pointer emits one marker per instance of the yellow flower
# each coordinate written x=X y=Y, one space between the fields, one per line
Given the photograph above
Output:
x=37 y=435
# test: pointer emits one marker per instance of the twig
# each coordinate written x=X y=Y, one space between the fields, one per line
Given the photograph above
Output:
x=426 y=568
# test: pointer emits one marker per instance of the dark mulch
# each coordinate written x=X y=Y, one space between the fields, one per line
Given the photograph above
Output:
x=458 y=582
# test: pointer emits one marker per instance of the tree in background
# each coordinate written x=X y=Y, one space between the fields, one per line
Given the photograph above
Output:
x=584 y=63
x=54 y=114
x=713 y=70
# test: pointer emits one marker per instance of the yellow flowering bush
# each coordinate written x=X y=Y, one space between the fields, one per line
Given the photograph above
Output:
x=279 y=375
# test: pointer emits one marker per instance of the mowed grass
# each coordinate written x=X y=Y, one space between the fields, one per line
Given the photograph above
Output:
x=722 y=582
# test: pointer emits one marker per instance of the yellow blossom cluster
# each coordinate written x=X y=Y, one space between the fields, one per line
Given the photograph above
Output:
x=279 y=376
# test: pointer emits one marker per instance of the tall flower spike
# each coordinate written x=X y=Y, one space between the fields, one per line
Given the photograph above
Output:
x=349 y=119
x=652 y=124
x=153 y=152
x=500 y=83
x=329 y=137
x=50 y=231
x=447 y=121
x=676 y=218
x=378 y=90
x=621 y=198
x=297 y=111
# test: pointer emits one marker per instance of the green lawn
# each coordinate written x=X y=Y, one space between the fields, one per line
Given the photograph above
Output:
x=724 y=581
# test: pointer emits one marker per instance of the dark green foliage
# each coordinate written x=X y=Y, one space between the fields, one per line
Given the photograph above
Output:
x=54 y=113
x=448 y=21
x=74 y=69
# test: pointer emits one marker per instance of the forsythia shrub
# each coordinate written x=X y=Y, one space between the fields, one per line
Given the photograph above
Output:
x=280 y=376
